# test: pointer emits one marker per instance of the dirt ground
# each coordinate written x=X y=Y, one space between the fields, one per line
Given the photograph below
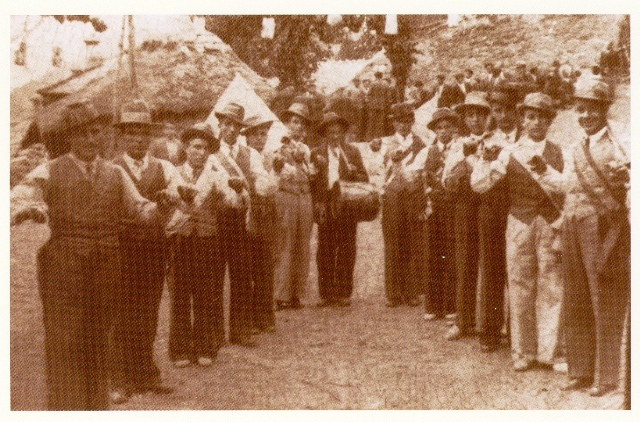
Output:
x=363 y=357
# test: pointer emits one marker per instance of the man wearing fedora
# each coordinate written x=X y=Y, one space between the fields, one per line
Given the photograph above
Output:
x=264 y=229
x=290 y=161
x=403 y=206
x=492 y=222
x=533 y=263
x=596 y=244
x=144 y=252
x=233 y=221
x=440 y=289
x=455 y=176
x=85 y=199
x=334 y=161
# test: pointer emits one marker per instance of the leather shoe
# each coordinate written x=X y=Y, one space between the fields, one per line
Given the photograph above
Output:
x=325 y=303
x=489 y=347
x=522 y=365
x=281 y=304
x=413 y=302
x=182 y=363
x=600 y=390
x=577 y=384
x=295 y=304
x=119 y=396
x=393 y=304
x=454 y=333
x=344 y=302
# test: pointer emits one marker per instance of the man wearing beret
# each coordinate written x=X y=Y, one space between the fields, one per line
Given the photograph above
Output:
x=440 y=288
x=533 y=263
x=336 y=160
x=144 y=256
x=596 y=244
x=403 y=206
x=85 y=198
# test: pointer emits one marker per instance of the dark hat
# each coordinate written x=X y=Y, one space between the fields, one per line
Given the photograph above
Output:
x=78 y=115
x=443 y=114
x=594 y=89
x=297 y=109
x=504 y=95
x=331 y=118
x=474 y=99
x=135 y=113
x=254 y=123
x=402 y=112
x=233 y=112
x=538 y=101
x=199 y=130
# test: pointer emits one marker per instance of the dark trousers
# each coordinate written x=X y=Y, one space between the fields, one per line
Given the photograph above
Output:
x=262 y=267
x=76 y=279
x=137 y=304
x=234 y=248
x=198 y=280
x=595 y=300
x=440 y=289
x=466 y=240
x=492 y=226
x=336 y=258
x=405 y=251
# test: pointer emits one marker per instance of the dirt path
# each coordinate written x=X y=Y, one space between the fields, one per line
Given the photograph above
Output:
x=363 y=357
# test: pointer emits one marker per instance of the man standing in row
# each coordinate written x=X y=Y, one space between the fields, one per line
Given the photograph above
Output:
x=233 y=222
x=336 y=160
x=403 y=206
x=85 y=198
x=596 y=244
x=144 y=252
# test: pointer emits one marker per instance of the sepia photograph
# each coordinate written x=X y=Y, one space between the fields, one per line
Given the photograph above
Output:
x=324 y=212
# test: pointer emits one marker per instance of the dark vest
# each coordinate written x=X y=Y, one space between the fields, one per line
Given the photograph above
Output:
x=151 y=182
x=79 y=207
x=526 y=196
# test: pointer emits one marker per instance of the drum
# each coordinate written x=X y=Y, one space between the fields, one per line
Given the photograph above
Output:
x=359 y=201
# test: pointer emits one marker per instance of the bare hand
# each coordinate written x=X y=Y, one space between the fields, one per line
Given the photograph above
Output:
x=187 y=193
x=375 y=145
x=537 y=164
x=236 y=183
x=469 y=147
x=278 y=163
x=491 y=152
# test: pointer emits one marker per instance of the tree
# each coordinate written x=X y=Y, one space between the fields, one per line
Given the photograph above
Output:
x=400 y=51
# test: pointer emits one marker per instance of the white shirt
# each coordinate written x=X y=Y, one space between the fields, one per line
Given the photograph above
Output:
x=333 y=165
x=265 y=184
x=486 y=174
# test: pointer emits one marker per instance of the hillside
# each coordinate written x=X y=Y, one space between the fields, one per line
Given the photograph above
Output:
x=536 y=39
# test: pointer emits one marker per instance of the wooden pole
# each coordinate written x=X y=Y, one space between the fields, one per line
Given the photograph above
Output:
x=132 y=48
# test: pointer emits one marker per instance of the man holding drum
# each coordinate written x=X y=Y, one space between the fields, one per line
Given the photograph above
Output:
x=334 y=161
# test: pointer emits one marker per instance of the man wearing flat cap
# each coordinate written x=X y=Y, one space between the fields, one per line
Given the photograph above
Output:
x=403 y=206
x=85 y=199
x=440 y=286
x=492 y=222
x=144 y=256
x=533 y=264
x=233 y=221
x=596 y=244
x=334 y=161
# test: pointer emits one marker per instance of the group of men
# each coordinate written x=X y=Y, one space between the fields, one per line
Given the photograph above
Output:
x=119 y=227
x=493 y=203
